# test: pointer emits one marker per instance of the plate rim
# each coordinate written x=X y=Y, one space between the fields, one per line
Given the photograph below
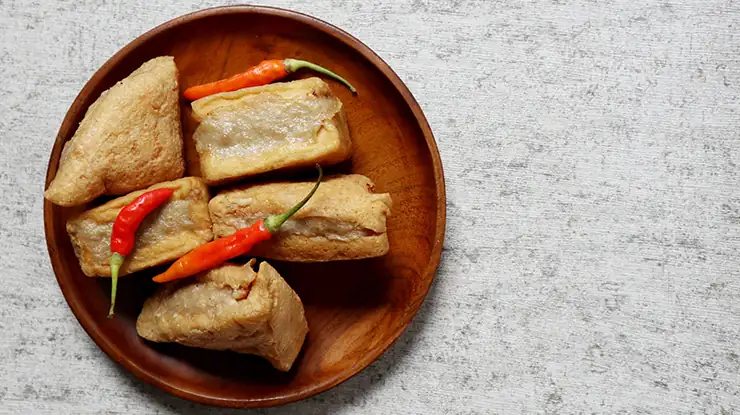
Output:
x=110 y=349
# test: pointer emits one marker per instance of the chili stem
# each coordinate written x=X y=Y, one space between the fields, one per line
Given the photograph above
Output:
x=116 y=260
x=272 y=223
x=292 y=65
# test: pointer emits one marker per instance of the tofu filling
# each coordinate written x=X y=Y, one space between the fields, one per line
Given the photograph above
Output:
x=263 y=122
x=167 y=222
x=313 y=227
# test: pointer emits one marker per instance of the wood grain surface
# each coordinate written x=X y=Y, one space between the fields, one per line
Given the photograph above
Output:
x=355 y=309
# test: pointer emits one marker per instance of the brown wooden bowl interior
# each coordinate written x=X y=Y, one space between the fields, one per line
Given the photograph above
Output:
x=355 y=309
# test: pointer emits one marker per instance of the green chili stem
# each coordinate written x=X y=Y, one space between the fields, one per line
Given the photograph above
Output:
x=272 y=223
x=116 y=260
x=292 y=65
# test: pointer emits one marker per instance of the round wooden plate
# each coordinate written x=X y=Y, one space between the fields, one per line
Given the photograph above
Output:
x=355 y=309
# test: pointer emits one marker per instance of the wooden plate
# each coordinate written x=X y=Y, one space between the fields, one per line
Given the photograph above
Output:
x=355 y=309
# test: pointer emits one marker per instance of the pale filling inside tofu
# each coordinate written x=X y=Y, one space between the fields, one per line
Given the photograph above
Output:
x=167 y=222
x=316 y=227
x=205 y=301
x=262 y=123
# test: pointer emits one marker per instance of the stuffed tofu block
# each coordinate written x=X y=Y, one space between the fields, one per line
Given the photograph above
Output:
x=231 y=307
x=129 y=139
x=176 y=227
x=344 y=219
x=259 y=129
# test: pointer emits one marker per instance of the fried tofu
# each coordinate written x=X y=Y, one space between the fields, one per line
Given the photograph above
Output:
x=231 y=307
x=259 y=129
x=343 y=220
x=129 y=139
x=179 y=225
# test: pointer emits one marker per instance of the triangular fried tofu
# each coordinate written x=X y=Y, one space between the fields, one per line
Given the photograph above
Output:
x=230 y=307
x=129 y=139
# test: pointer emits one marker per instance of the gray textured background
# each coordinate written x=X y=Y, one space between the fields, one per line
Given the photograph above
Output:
x=591 y=152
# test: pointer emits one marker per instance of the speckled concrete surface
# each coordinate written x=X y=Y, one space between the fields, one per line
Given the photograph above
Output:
x=591 y=151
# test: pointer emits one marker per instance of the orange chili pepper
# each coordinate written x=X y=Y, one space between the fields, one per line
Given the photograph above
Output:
x=216 y=252
x=262 y=74
x=123 y=236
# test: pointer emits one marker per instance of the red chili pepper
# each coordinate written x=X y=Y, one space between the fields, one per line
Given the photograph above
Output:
x=262 y=74
x=216 y=252
x=123 y=236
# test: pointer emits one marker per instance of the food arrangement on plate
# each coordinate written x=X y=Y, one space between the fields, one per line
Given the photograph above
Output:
x=130 y=144
x=156 y=160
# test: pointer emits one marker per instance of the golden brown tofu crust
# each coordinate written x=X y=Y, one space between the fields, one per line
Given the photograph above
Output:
x=265 y=128
x=169 y=232
x=231 y=307
x=344 y=219
x=129 y=139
